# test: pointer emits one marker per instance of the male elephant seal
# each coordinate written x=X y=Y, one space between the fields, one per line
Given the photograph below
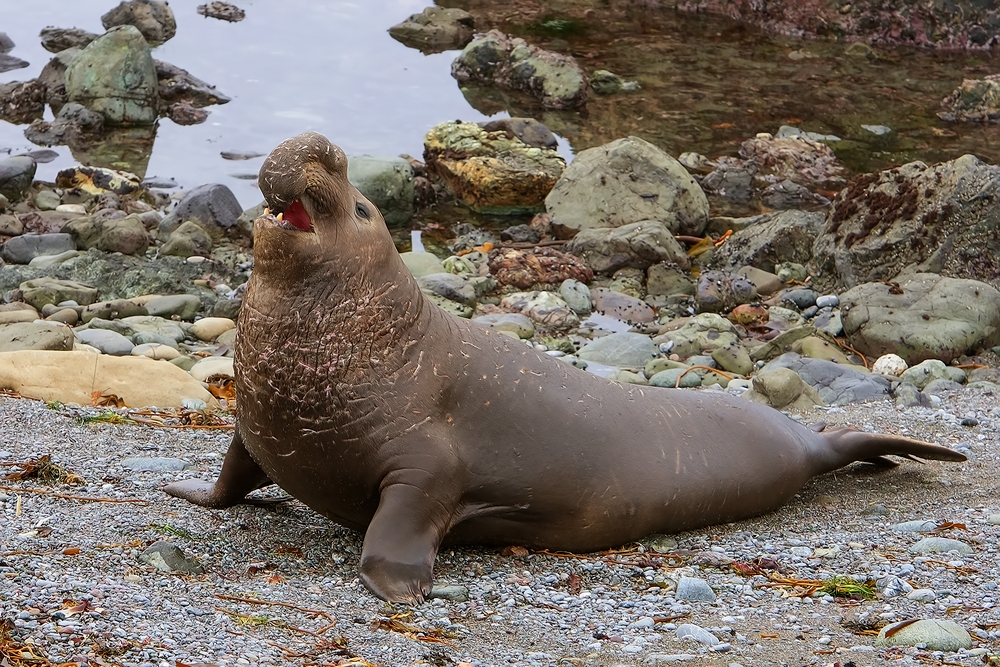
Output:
x=383 y=412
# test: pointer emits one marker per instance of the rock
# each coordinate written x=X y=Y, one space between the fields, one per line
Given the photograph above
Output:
x=125 y=235
x=449 y=286
x=499 y=60
x=720 y=291
x=733 y=358
x=829 y=322
x=164 y=330
x=801 y=297
x=836 y=384
x=515 y=323
x=925 y=372
x=692 y=588
x=638 y=244
x=16 y=175
x=99 y=180
x=108 y=342
x=665 y=279
x=935 y=635
x=10 y=225
x=185 y=113
x=782 y=389
x=154 y=464
x=213 y=207
x=702 y=333
x=41 y=291
x=114 y=75
x=209 y=366
x=628 y=180
x=934 y=219
x=913 y=526
x=604 y=82
x=906 y=395
x=55 y=40
x=176 y=85
x=790 y=195
x=543 y=307
x=765 y=281
x=679 y=378
x=209 y=328
x=435 y=29
x=528 y=130
x=797 y=159
x=10 y=316
x=492 y=172
x=526 y=268
x=453 y=307
x=787 y=236
x=153 y=18
x=520 y=234
x=167 y=557
x=974 y=101
x=53 y=78
x=155 y=351
x=731 y=183
x=34 y=336
x=69 y=126
x=624 y=350
x=190 y=239
x=925 y=317
x=922 y=595
x=422 y=263
x=112 y=310
x=577 y=296
x=22 y=101
x=628 y=309
x=817 y=347
x=387 y=182
x=453 y=593
x=182 y=306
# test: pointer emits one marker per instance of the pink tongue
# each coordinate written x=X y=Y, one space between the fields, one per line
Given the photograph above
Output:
x=296 y=216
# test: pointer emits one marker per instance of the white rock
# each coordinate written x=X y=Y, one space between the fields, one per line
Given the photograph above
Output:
x=209 y=366
x=889 y=364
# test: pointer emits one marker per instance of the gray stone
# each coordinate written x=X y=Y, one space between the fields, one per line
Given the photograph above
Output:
x=183 y=306
x=668 y=379
x=10 y=225
x=35 y=336
x=927 y=317
x=941 y=386
x=788 y=194
x=114 y=76
x=830 y=322
x=925 y=372
x=422 y=263
x=801 y=297
x=153 y=18
x=702 y=333
x=628 y=180
x=435 y=29
x=624 y=350
x=213 y=207
x=154 y=464
x=22 y=249
x=733 y=358
x=836 y=384
x=787 y=236
x=665 y=279
x=913 y=526
x=449 y=286
x=188 y=240
x=940 y=545
x=528 y=130
x=41 y=291
x=637 y=244
x=106 y=341
x=125 y=235
x=515 y=323
x=167 y=557
x=16 y=175
x=387 y=182
x=907 y=395
x=692 y=588
x=112 y=310
x=543 y=307
x=828 y=301
x=179 y=86
x=933 y=634
x=692 y=631
x=577 y=296
x=55 y=40
x=731 y=183
x=922 y=595
x=453 y=593
x=782 y=388
x=721 y=291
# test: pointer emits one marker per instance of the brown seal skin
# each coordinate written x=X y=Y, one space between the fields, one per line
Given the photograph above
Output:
x=386 y=414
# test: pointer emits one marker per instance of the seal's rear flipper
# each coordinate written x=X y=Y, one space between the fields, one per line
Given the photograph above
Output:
x=847 y=445
x=240 y=475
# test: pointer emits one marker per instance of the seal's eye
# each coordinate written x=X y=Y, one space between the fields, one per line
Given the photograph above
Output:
x=362 y=211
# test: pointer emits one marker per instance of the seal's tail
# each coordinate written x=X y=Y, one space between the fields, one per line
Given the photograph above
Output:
x=847 y=445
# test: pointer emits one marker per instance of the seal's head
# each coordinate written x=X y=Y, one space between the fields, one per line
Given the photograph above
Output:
x=314 y=215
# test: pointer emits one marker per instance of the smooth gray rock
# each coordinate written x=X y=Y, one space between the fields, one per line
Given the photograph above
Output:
x=167 y=557
x=108 y=342
x=577 y=296
x=836 y=384
x=940 y=545
x=934 y=634
x=188 y=240
x=449 y=286
x=637 y=244
x=154 y=464
x=624 y=350
x=916 y=526
x=213 y=207
x=435 y=29
x=453 y=593
x=35 y=336
x=772 y=239
x=692 y=588
x=184 y=306
x=16 y=175
x=22 y=249
x=927 y=371
x=515 y=323
x=387 y=182
x=668 y=378
x=696 y=632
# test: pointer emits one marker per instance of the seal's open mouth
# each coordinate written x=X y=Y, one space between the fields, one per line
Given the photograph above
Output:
x=294 y=217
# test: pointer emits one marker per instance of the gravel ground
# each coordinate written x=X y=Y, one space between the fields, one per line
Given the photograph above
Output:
x=522 y=610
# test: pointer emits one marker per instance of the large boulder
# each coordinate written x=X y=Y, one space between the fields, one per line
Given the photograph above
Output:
x=387 y=182
x=939 y=219
x=628 y=180
x=114 y=75
x=435 y=29
x=771 y=239
x=509 y=62
x=23 y=249
x=34 y=336
x=492 y=172
x=213 y=207
x=836 y=384
x=153 y=18
x=924 y=317
x=638 y=245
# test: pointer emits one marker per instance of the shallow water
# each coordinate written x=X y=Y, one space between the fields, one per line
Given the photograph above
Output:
x=707 y=84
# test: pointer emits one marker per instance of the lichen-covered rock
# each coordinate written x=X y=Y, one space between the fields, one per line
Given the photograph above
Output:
x=435 y=29
x=545 y=266
x=22 y=101
x=796 y=158
x=702 y=333
x=99 y=180
x=492 y=172
x=125 y=235
x=543 y=307
x=976 y=100
x=924 y=317
x=115 y=76
x=152 y=18
x=938 y=219
x=387 y=182
x=721 y=291
x=638 y=245
x=628 y=180
x=510 y=62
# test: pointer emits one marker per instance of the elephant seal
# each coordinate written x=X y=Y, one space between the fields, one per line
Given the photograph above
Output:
x=381 y=411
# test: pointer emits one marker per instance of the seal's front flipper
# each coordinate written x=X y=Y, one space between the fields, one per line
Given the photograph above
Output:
x=401 y=543
x=240 y=475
